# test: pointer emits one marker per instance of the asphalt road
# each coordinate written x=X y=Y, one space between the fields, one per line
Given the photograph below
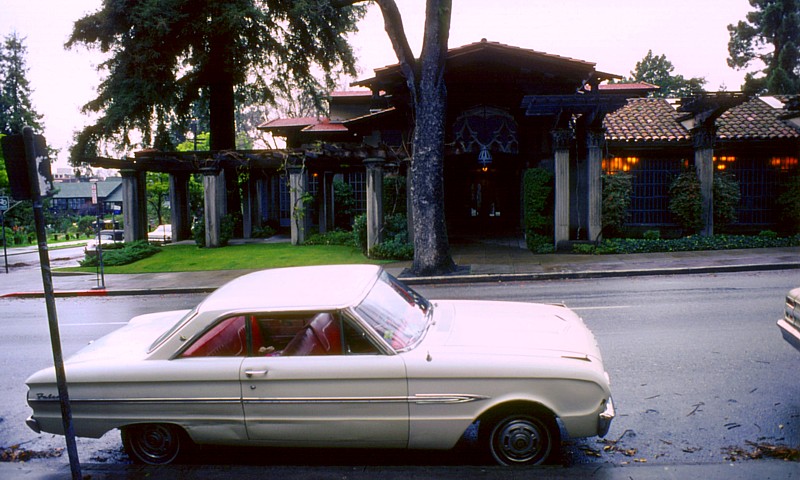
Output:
x=698 y=367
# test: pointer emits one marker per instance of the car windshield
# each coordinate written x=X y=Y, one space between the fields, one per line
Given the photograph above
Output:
x=398 y=313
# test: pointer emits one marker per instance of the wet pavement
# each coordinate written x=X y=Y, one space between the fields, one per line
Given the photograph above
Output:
x=480 y=262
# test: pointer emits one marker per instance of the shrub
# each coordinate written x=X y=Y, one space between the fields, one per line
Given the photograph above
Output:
x=335 y=237
x=538 y=209
x=688 y=244
x=394 y=195
x=128 y=253
x=395 y=233
x=686 y=202
x=264 y=231
x=345 y=201
x=789 y=204
x=199 y=232
x=652 y=235
x=360 y=232
x=617 y=191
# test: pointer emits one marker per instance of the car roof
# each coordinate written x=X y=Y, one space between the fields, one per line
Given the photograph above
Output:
x=326 y=287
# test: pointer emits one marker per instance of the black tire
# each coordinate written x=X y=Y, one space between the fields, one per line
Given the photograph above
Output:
x=520 y=439
x=155 y=443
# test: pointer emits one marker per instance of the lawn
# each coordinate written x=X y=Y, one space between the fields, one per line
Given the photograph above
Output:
x=188 y=258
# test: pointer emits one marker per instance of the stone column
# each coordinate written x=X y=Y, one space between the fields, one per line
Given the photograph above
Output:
x=180 y=217
x=298 y=185
x=703 y=138
x=561 y=143
x=214 y=197
x=595 y=140
x=249 y=201
x=325 y=201
x=374 y=201
x=134 y=201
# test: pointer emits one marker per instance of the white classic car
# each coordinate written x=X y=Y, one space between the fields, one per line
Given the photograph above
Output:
x=336 y=356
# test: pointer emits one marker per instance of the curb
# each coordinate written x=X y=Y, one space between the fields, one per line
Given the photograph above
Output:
x=520 y=277
x=450 y=280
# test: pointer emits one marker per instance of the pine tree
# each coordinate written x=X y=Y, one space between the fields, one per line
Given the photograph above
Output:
x=16 y=109
x=775 y=24
x=657 y=70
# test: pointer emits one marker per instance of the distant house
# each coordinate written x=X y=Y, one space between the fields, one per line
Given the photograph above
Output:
x=76 y=198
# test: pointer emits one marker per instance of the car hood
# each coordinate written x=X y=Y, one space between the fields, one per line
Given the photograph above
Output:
x=512 y=328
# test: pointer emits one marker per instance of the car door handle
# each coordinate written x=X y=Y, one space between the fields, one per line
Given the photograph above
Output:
x=260 y=373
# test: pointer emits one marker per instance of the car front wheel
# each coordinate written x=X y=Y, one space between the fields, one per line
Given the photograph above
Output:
x=521 y=439
x=155 y=444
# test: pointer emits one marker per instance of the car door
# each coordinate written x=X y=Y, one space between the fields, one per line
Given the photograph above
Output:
x=344 y=393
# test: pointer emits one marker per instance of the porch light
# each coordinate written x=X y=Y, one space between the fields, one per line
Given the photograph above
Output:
x=484 y=158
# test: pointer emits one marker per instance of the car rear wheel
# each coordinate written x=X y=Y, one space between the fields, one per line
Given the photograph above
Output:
x=155 y=443
x=521 y=439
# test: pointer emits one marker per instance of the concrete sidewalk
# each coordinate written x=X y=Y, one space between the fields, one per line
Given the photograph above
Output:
x=478 y=262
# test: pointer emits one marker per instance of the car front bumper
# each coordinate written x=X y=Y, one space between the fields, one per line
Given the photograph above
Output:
x=605 y=418
x=790 y=333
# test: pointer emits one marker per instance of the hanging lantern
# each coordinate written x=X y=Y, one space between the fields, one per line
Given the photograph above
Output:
x=484 y=158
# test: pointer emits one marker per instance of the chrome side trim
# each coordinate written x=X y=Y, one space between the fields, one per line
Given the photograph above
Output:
x=420 y=399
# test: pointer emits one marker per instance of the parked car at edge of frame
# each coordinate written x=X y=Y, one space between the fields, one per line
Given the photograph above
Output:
x=161 y=234
x=790 y=323
x=107 y=238
x=336 y=356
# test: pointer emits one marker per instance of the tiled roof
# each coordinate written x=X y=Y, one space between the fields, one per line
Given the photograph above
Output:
x=655 y=120
x=754 y=120
x=645 y=120
x=288 y=122
x=325 y=126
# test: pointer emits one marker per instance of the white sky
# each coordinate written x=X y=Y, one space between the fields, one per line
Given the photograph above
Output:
x=614 y=34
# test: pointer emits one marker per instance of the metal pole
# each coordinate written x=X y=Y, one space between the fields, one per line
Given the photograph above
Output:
x=52 y=316
x=5 y=250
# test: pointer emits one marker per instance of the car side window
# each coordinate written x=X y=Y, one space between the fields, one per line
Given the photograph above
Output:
x=228 y=338
x=321 y=333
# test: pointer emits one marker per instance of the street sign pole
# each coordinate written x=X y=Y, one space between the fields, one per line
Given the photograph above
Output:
x=35 y=178
x=3 y=226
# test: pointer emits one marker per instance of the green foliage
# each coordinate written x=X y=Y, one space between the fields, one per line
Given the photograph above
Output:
x=726 y=198
x=3 y=173
x=775 y=24
x=199 y=232
x=538 y=210
x=335 y=237
x=203 y=143
x=157 y=197
x=16 y=109
x=686 y=202
x=345 y=202
x=264 y=231
x=164 y=57
x=657 y=70
x=128 y=253
x=227 y=227
x=617 y=191
x=395 y=234
x=687 y=244
x=394 y=195
x=789 y=204
x=652 y=235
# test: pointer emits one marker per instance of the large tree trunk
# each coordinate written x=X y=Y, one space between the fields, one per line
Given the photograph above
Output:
x=431 y=245
x=222 y=124
x=425 y=80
